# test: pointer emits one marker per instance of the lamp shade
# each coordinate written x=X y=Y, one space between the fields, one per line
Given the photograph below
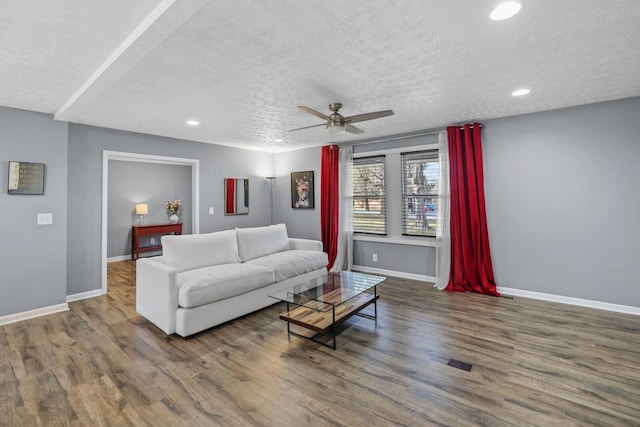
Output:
x=142 y=209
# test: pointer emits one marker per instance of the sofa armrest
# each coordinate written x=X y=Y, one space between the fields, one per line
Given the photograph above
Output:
x=305 y=244
x=157 y=293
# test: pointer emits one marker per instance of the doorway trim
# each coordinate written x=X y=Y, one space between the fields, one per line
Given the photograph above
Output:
x=145 y=158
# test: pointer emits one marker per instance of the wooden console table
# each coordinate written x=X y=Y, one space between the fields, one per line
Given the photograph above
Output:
x=150 y=230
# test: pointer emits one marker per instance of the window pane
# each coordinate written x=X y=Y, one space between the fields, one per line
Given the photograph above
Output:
x=420 y=173
x=369 y=202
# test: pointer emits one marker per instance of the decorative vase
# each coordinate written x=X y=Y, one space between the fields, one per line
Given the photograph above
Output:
x=174 y=219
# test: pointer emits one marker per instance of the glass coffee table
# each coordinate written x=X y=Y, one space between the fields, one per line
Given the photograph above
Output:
x=322 y=304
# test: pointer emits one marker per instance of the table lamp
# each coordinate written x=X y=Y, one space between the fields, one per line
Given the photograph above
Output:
x=142 y=209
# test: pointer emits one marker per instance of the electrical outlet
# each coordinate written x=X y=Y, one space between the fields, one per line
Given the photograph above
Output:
x=210 y=210
x=375 y=257
x=152 y=240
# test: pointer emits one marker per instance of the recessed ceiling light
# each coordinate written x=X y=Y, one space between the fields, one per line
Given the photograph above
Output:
x=520 y=92
x=193 y=123
x=505 y=10
x=278 y=140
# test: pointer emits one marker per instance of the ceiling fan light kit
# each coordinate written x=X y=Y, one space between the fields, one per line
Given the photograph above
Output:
x=335 y=128
x=337 y=124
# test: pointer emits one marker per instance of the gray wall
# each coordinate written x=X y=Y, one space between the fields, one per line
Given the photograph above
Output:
x=142 y=182
x=33 y=257
x=301 y=223
x=405 y=142
x=419 y=260
x=86 y=144
x=563 y=203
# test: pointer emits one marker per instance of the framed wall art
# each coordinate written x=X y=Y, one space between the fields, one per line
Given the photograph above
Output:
x=26 y=178
x=302 y=190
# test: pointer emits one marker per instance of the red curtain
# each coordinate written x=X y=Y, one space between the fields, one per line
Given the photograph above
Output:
x=471 y=268
x=329 y=200
x=231 y=196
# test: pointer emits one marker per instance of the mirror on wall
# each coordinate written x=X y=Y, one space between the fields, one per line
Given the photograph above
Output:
x=236 y=196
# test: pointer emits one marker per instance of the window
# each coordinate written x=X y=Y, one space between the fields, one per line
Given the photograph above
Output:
x=396 y=194
x=420 y=172
x=369 y=202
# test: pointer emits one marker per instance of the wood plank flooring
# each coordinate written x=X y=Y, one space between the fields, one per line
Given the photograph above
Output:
x=535 y=363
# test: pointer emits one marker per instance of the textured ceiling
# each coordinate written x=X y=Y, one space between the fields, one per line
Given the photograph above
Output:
x=242 y=67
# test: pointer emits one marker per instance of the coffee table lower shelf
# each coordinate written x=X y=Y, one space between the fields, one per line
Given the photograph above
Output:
x=324 y=322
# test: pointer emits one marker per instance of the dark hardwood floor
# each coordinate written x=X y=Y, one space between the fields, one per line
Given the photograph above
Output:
x=533 y=363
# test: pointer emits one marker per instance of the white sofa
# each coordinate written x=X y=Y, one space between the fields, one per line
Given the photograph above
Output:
x=203 y=280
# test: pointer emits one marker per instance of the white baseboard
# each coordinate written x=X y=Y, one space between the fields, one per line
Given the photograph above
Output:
x=570 y=300
x=119 y=258
x=17 y=317
x=401 y=274
x=85 y=295
x=513 y=292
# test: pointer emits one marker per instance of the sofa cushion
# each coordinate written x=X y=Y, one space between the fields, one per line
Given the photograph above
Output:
x=292 y=263
x=210 y=284
x=255 y=242
x=189 y=251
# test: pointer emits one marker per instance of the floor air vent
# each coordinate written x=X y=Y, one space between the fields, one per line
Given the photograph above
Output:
x=460 y=365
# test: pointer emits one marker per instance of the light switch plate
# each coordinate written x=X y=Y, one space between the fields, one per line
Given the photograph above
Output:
x=210 y=210
x=45 y=219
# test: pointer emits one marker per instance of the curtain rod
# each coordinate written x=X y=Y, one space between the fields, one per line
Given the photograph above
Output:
x=400 y=136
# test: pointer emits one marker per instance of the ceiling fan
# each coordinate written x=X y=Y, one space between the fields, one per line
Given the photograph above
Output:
x=338 y=124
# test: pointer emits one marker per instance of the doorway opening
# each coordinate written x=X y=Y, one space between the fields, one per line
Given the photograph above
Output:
x=144 y=158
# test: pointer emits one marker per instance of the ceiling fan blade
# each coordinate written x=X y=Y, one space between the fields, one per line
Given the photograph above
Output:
x=352 y=129
x=307 y=127
x=314 y=112
x=368 y=116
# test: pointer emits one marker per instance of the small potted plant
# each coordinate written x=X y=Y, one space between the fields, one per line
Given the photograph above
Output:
x=173 y=208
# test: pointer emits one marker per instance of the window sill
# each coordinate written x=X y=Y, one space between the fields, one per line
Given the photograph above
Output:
x=425 y=241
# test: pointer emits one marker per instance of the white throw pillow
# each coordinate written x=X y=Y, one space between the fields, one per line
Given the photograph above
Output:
x=190 y=251
x=260 y=241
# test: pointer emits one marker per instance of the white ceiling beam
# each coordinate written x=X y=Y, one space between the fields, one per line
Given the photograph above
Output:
x=161 y=22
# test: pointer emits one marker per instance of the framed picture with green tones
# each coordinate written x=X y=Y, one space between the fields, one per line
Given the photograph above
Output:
x=26 y=178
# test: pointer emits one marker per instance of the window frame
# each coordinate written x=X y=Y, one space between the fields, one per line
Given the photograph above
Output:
x=395 y=237
x=383 y=202
x=423 y=155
